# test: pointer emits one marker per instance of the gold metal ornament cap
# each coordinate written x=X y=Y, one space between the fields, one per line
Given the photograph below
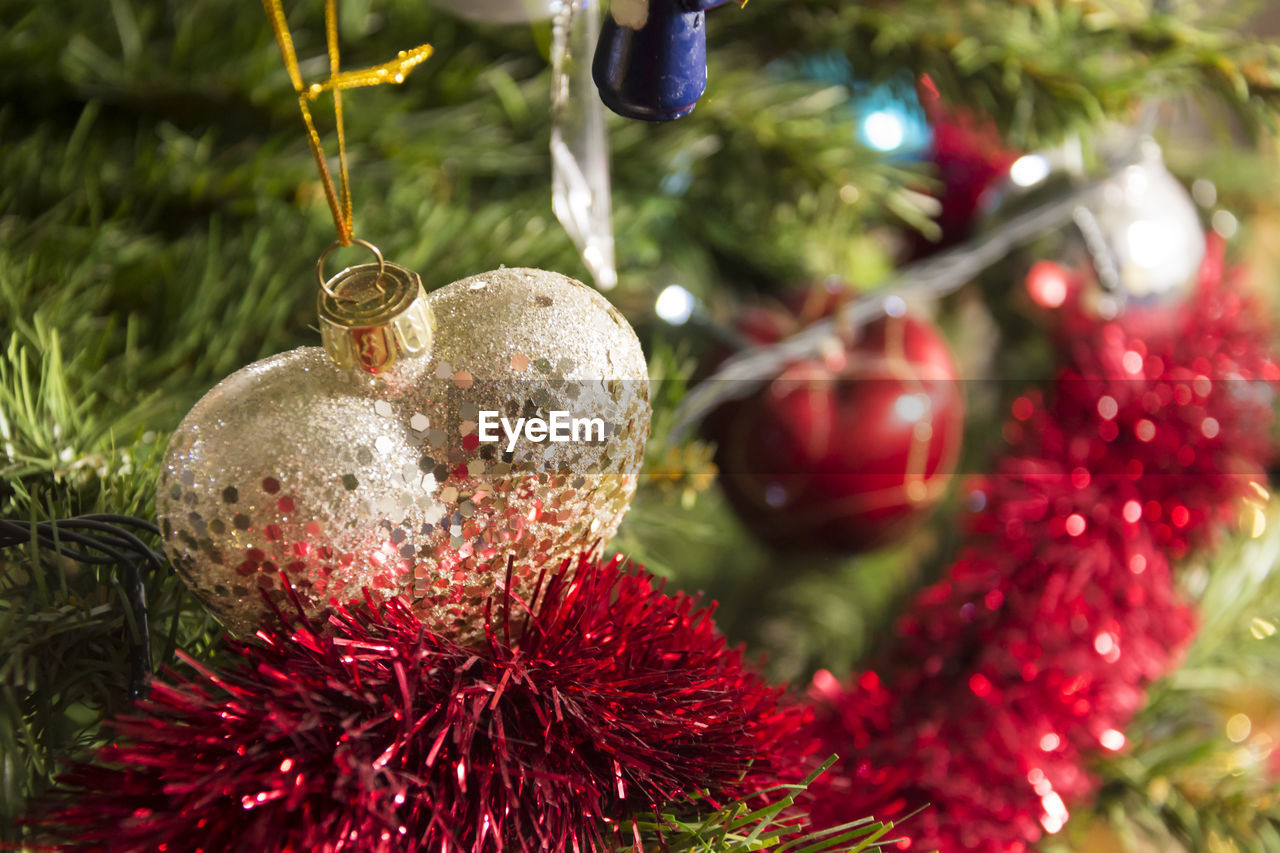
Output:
x=373 y=315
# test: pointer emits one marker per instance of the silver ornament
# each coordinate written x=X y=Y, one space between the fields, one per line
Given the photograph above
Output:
x=1145 y=236
x=1137 y=242
x=346 y=480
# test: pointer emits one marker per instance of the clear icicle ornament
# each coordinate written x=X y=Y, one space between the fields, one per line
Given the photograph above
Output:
x=579 y=141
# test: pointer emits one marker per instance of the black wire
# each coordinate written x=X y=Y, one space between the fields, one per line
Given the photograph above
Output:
x=103 y=539
x=103 y=524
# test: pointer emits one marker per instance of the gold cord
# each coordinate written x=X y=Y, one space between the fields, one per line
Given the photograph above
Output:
x=388 y=72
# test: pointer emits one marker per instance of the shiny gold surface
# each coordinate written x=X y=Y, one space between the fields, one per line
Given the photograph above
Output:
x=374 y=315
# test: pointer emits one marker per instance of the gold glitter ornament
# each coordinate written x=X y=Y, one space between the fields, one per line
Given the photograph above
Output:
x=374 y=475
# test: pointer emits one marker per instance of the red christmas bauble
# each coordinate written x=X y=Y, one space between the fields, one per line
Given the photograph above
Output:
x=845 y=452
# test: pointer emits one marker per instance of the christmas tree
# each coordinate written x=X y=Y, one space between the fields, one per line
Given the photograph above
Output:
x=956 y=415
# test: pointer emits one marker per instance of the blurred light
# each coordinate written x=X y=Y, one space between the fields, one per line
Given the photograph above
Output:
x=1047 y=284
x=883 y=131
x=1259 y=525
x=675 y=305
x=911 y=407
x=1029 y=170
x=894 y=306
x=887 y=112
x=1055 y=813
x=1238 y=728
x=1225 y=223
x=1146 y=243
x=1112 y=740
x=1050 y=742
x=1204 y=192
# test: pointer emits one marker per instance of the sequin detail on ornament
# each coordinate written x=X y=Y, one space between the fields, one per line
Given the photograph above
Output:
x=348 y=482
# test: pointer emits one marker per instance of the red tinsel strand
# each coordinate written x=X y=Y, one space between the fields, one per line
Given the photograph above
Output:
x=612 y=699
x=1033 y=651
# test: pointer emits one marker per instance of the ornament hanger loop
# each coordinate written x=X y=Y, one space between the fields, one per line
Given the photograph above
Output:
x=324 y=283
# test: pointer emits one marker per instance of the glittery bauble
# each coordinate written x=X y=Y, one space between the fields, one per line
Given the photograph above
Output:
x=846 y=452
x=1133 y=247
x=345 y=480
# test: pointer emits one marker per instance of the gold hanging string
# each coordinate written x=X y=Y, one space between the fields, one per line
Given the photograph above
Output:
x=331 y=42
x=393 y=71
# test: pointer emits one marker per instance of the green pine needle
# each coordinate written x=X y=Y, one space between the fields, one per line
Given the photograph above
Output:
x=738 y=827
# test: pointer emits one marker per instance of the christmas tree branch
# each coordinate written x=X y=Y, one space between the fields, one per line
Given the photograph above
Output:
x=1043 y=70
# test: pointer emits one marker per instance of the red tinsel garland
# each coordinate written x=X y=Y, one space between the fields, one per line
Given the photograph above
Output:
x=1033 y=650
x=611 y=699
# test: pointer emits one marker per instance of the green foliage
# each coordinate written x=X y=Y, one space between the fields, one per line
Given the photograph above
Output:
x=1040 y=69
x=159 y=218
x=739 y=827
x=65 y=666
